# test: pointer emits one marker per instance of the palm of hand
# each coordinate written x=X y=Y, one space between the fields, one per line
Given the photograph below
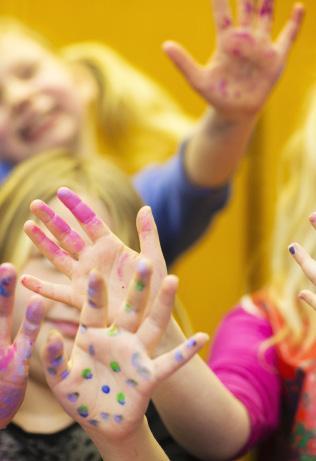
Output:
x=242 y=72
x=109 y=382
x=117 y=263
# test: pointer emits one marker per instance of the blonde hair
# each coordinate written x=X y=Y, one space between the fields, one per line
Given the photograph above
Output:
x=297 y=198
x=137 y=121
x=41 y=176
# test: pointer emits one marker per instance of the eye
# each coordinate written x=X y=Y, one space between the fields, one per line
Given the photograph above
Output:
x=26 y=71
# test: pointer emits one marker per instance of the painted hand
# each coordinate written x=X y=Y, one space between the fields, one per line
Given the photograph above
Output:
x=308 y=266
x=76 y=258
x=108 y=381
x=14 y=358
x=246 y=63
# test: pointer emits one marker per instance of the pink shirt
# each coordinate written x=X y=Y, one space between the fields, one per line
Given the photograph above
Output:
x=251 y=376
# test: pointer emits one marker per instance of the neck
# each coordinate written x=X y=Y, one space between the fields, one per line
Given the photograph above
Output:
x=40 y=411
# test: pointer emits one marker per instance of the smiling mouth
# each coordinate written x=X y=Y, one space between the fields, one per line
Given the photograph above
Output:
x=66 y=327
x=38 y=126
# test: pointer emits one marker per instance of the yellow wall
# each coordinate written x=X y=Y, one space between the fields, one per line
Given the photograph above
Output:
x=213 y=274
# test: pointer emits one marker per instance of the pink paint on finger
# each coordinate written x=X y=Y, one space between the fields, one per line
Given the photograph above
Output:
x=267 y=8
x=44 y=242
x=78 y=208
x=226 y=22
x=7 y=358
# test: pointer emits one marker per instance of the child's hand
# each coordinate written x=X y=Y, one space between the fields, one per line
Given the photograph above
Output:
x=14 y=358
x=108 y=381
x=106 y=252
x=308 y=266
x=246 y=63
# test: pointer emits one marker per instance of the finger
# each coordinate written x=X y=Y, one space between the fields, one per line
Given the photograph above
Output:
x=155 y=324
x=290 y=31
x=222 y=14
x=265 y=16
x=92 y=225
x=183 y=61
x=58 y=257
x=246 y=12
x=61 y=293
x=148 y=235
x=7 y=290
x=55 y=360
x=304 y=260
x=70 y=240
x=133 y=308
x=170 y=362
x=309 y=297
x=94 y=312
x=28 y=332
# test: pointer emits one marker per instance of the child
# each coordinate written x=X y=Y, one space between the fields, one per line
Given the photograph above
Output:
x=48 y=102
x=41 y=428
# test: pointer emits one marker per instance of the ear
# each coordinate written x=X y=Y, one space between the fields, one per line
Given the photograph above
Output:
x=85 y=82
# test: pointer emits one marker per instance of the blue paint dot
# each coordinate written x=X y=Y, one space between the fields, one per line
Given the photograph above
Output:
x=94 y=422
x=178 y=356
x=4 y=284
x=64 y=374
x=118 y=419
x=91 y=350
x=191 y=343
x=83 y=411
x=51 y=371
x=106 y=389
x=104 y=416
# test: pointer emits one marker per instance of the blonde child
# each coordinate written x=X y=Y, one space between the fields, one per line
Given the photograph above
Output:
x=87 y=94
x=107 y=387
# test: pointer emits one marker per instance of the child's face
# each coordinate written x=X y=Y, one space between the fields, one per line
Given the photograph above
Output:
x=59 y=316
x=40 y=108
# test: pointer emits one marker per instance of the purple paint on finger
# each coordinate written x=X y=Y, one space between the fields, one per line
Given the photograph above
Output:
x=118 y=419
x=105 y=416
x=10 y=400
x=191 y=343
x=178 y=356
x=292 y=249
x=267 y=8
x=106 y=389
x=5 y=284
x=94 y=422
x=73 y=397
x=91 y=350
x=65 y=374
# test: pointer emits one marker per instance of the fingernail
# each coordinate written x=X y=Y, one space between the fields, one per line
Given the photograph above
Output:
x=292 y=249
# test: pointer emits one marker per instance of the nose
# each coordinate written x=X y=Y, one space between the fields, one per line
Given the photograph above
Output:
x=17 y=95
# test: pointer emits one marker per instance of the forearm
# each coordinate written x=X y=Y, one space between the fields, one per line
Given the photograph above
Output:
x=139 y=446
x=202 y=415
x=216 y=147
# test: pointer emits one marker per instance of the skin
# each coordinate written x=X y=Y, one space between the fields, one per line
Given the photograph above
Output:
x=307 y=264
x=235 y=83
x=15 y=357
x=75 y=258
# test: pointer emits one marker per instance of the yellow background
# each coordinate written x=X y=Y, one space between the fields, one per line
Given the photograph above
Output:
x=220 y=268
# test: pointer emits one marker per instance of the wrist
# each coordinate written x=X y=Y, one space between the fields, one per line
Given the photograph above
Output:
x=138 y=445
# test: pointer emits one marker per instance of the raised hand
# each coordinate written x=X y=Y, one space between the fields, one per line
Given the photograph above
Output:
x=246 y=63
x=308 y=266
x=109 y=378
x=15 y=357
x=76 y=258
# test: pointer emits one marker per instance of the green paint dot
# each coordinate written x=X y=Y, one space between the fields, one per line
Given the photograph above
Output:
x=113 y=330
x=121 y=398
x=128 y=307
x=87 y=373
x=83 y=411
x=139 y=286
x=115 y=367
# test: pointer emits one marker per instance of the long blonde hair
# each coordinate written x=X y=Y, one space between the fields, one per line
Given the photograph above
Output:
x=297 y=199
